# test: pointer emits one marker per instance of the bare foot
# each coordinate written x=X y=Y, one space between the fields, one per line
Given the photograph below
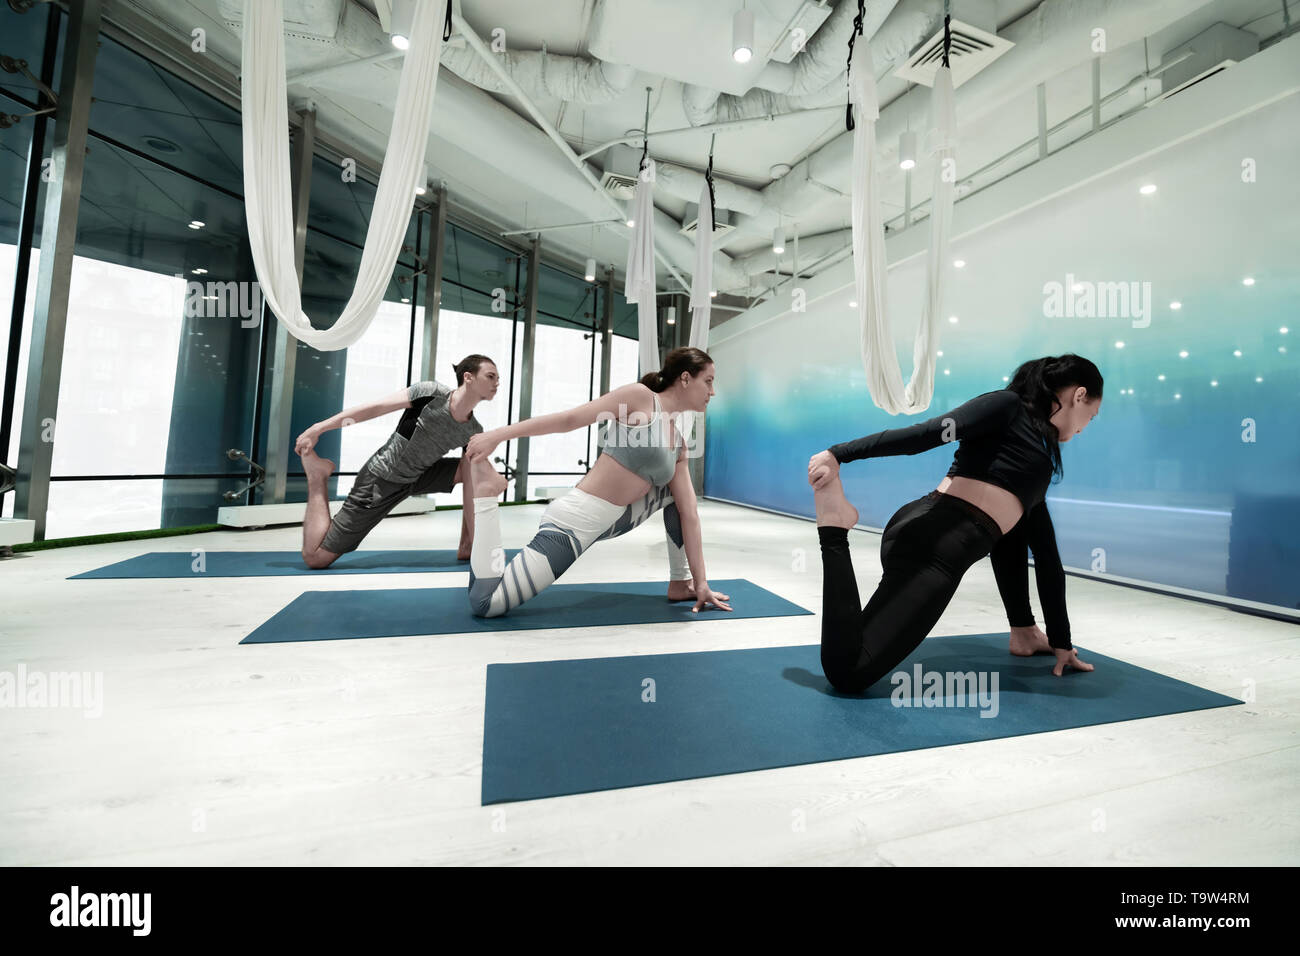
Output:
x=488 y=482
x=315 y=466
x=833 y=509
x=681 y=590
x=1028 y=641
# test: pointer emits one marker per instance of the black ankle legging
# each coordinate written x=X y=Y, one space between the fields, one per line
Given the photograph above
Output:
x=926 y=548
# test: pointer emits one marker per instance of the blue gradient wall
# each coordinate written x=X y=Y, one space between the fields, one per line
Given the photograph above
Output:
x=1188 y=476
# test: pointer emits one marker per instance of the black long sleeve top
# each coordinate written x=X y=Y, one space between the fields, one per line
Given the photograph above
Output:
x=998 y=443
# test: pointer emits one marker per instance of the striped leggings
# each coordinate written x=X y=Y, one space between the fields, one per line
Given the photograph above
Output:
x=568 y=527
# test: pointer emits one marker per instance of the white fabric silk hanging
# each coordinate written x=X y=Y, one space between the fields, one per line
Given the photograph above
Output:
x=884 y=379
x=701 y=285
x=639 y=283
x=702 y=280
x=268 y=195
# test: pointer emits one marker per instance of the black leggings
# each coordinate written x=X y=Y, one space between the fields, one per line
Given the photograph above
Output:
x=926 y=548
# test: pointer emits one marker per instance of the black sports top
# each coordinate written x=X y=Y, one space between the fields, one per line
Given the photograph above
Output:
x=997 y=443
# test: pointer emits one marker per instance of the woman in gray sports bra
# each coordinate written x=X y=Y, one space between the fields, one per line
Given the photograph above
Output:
x=641 y=469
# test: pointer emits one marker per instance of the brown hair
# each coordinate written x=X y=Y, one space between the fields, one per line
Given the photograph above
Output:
x=680 y=360
x=471 y=364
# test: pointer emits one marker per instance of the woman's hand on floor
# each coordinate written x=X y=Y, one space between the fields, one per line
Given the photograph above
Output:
x=1068 y=658
x=822 y=468
x=703 y=596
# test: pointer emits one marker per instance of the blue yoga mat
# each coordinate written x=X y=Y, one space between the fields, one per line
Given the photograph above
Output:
x=559 y=727
x=258 y=564
x=340 y=615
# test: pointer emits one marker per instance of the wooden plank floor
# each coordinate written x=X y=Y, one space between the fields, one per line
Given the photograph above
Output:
x=370 y=751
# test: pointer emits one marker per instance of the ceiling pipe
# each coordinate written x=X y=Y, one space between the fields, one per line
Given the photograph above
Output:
x=584 y=81
x=552 y=133
x=730 y=126
x=814 y=78
x=1046 y=44
x=823 y=60
x=813 y=247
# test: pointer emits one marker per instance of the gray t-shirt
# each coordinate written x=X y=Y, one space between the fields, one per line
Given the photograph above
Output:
x=425 y=434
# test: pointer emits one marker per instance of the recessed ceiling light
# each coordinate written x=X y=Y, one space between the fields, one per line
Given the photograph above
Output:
x=1248 y=281
x=200 y=272
x=1178 y=395
x=1175 y=306
x=853 y=305
x=197 y=224
x=1148 y=189
x=959 y=263
x=947 y=372
x=1214 y=382
x=1160 y=378
x=1283 y=330
x=1119 y=345
x=952 y=319
x=1258 y=379
x=1237 y=352
x=1183 y=354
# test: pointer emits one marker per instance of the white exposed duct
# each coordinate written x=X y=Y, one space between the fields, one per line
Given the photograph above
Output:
x=572 y=79
x=703 y=106
x=685 y=184
x=1047 y=44
x=814 y=78
x=811 y=248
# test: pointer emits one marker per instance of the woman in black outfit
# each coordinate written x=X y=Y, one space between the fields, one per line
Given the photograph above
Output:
x=991 y=503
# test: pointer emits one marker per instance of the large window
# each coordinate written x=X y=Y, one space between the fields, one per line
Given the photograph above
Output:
x=166 y=366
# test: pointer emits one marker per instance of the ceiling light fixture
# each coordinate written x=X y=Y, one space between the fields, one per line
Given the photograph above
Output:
x=742 y=36
x=401 y=21
x=907 y=150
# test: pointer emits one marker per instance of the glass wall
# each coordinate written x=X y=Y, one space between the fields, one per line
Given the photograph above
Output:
x=1184 y=297
x=166 y=352
x=24 y=38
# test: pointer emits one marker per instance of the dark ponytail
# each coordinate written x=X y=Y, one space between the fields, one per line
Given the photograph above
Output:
x=471 y=364
x=680 y=360
x=1037 y=382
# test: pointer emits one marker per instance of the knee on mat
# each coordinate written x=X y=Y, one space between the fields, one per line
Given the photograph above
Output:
x=480 y=597
x=844 y=678
x=316 y=561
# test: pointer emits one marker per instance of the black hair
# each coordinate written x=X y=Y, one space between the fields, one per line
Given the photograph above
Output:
x=471 y=364
x=1037 y=382
x=680 y=360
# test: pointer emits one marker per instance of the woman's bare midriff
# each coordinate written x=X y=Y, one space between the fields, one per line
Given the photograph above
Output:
x=1001 y=505
x=614 y=481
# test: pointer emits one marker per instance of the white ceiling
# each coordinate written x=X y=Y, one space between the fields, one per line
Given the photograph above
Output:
x=668 y=41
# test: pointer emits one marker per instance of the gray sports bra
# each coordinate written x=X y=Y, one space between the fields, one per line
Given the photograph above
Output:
x=647 y=450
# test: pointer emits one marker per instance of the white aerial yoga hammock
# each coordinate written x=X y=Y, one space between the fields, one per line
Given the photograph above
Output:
x=702 y=279
x=701 y=286
x=639 y=280
x=884 y=379
x=267 y=191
